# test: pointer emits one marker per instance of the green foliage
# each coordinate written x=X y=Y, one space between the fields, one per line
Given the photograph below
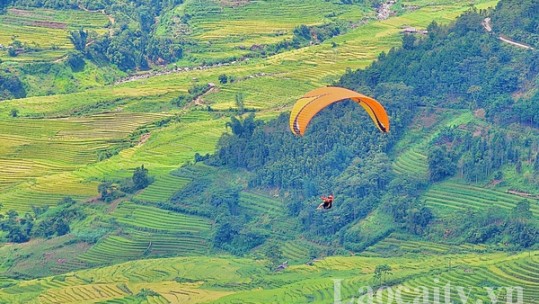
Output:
x=79 y=39
x=223 y=78
x=440 y=164
x=134 y=45
x=109 y=191
x=381 y=271
x=11 y=86
x=14 y=113
x=44 y=223
x=324 y=161
x=459 y=66
x=4 y=5
x=515 y=19
x=274 y=254
x=517 y=229
x=316 y=34
x=194 y=92
x=140 y=178
x=240 y=104
x=75 y=62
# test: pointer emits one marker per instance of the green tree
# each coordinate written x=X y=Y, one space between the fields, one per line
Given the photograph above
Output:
x=79 y=39
x=240 y=105
x=418 y=219
x=14 y=113
x=440 y=164
x=274 y=254
x=223 y=78
x=106 y=190
x=140 y=178
x=381 y=271
x=61 y=227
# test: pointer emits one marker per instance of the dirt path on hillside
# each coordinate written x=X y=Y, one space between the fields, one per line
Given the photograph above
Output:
x=488 y=27
x=176 y=70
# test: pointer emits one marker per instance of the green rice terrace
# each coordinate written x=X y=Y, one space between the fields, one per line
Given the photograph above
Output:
x=201 y=231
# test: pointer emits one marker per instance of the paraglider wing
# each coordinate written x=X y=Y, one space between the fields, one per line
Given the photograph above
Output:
x=316 y=100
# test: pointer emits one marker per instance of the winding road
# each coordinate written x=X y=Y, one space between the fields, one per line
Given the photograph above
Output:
x=488 y=27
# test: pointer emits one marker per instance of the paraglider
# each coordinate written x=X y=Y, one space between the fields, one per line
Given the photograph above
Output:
x=316 y=100
x=327 y=202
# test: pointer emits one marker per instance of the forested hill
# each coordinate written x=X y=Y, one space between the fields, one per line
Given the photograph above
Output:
x=517 y=19
x=452 y=71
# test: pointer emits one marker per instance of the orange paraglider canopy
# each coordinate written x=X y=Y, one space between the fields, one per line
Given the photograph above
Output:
x=316 y=100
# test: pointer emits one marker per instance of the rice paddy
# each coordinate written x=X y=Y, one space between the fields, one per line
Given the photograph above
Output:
x=47 y=31
x=454 y=196
x=244 y=280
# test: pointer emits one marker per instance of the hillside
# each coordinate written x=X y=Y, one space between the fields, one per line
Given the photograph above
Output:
x=80 y=123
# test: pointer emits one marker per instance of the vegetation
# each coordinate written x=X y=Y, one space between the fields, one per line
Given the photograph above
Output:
x=42 y=223
x=455 y=180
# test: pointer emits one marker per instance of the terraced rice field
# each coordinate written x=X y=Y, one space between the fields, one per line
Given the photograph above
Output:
x=151 y=219
x=136 y=245
x=237 y=279
x=412 y=157
x=452 y=196
x=520 y=273
x=47 y=30
x=295 y=251
x=393 y=245
x=38 y=155
x=261 y=204
x=150 y=231
x=248 y=24
x=162 y=189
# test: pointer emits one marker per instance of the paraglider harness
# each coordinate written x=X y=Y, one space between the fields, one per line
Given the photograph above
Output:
x=327 y=202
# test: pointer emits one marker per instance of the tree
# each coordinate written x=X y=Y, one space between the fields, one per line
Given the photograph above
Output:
x=418 y=219
x=522 y=211
x=75 y=61
x=17 y=235
x=223 y=78
x=518 y=167
x=79 y=39
x=408 y=41
x=380 y=271
x=239 y=103
x=274 y=254
x=440 y=164
x=14 y=113
x=141 y=179
x=106 y=190
x=61 y=227
x=11 y=51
